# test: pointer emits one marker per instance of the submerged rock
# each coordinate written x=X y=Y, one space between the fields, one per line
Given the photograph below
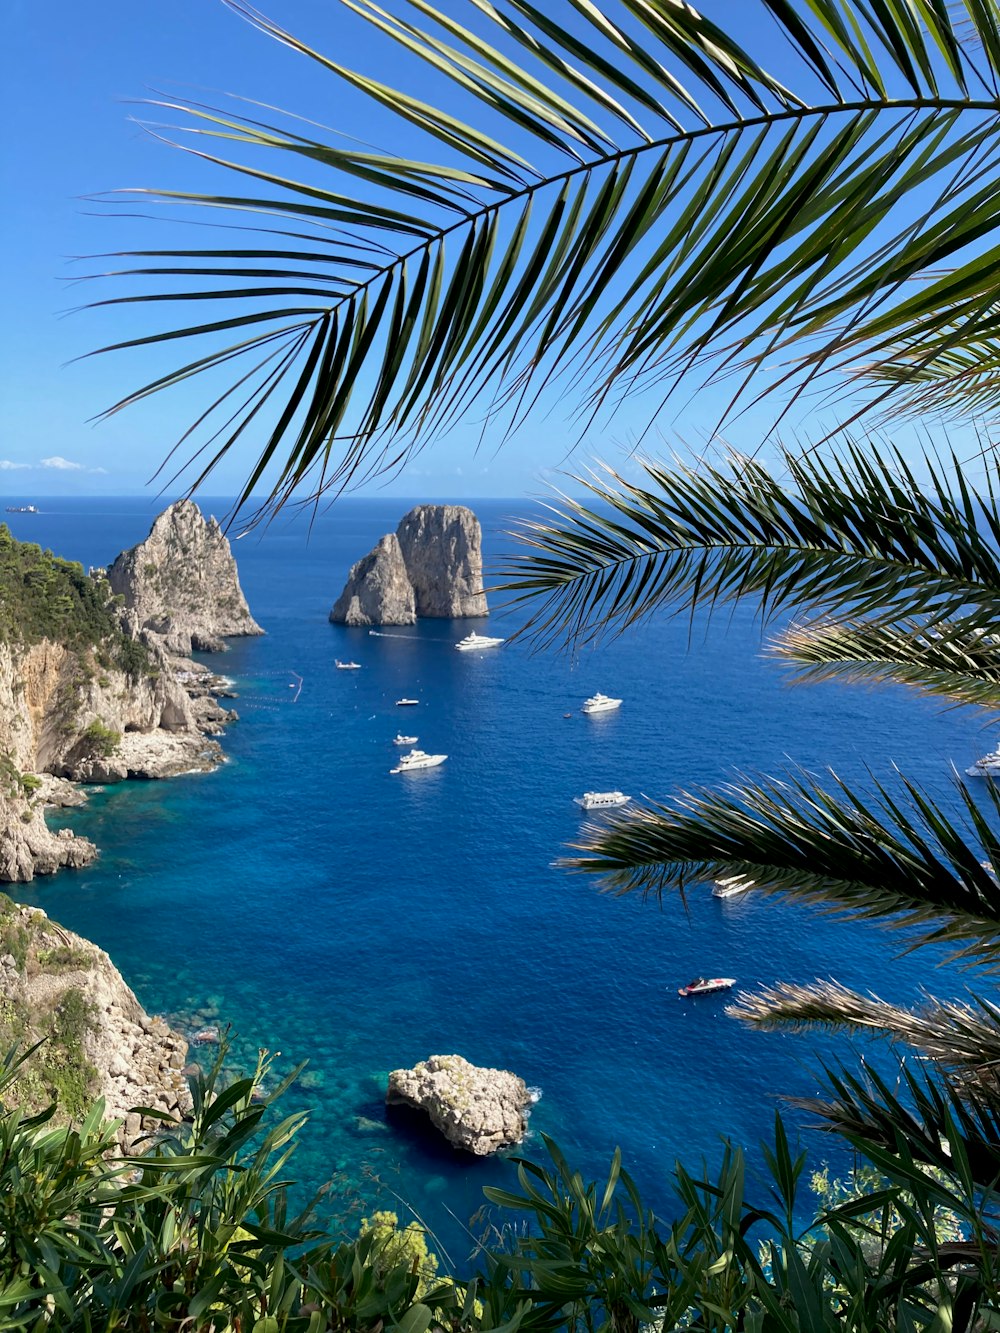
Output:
x=480 y=1110
x=181 y=584
x=431 y=566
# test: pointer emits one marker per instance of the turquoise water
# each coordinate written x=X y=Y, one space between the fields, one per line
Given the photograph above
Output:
x=337 y=914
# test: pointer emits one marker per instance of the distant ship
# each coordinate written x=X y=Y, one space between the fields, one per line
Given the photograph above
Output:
x=400 y=739
x=22 y=509
x=347 y=666
x=475 y=640
x=600 y=703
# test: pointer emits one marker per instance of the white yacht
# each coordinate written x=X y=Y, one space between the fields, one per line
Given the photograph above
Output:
x=600 y=703
x=731 y=886
x=347 y=666
x=407 y=703
x=475 y=640
x=400 y=739
x=408 y=763
x=602 y=800
x=987 y=767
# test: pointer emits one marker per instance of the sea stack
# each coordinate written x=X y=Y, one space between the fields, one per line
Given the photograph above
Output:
x=431 y=566
x=181 y=584
x=480 y=1110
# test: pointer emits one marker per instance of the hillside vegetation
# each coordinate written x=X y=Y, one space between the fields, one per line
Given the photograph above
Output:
x=45 y=597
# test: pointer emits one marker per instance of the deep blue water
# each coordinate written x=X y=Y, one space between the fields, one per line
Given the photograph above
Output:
x=337 y=914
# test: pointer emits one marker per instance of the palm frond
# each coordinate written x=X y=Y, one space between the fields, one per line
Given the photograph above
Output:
x=961 y=1038
x=955 y=370
x=901 y=860
x=919 y=1123
x=949 y=662
x=854 y=528
x=631 y=190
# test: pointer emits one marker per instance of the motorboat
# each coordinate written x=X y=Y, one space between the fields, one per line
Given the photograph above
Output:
x=706 y=986
x=347 y=666
x=987 y=767
x=409 y=763
x=600 y=703
x=602 y=800
x=407 y=703
x=475 y=640
x=731 y=886
x=22 y=509
x=400 y=739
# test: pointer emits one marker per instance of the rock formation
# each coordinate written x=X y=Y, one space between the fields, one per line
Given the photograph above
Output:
x=181 y=583
x=480 y=1110
x=378 y=591
x=84 y=697
x=99 y=1041
x=432 y=566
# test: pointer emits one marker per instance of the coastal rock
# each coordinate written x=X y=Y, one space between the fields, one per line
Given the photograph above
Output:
x=442 y=547
x=378 y=589
x=28 y=847
x=181 y=584
x=100 y=1042
x=480 y=1110
x=431 y=566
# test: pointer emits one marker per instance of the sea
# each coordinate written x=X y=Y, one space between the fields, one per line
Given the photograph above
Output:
x=331 y=913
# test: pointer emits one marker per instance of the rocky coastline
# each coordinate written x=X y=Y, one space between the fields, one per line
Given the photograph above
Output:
x=97 y=686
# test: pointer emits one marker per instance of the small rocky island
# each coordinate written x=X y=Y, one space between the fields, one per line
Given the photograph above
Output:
x=480 y=1110
x=432 y=565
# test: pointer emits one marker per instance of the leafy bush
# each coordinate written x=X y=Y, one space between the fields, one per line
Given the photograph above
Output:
x=196 y=1234
x=45 y=597
x=101 y=740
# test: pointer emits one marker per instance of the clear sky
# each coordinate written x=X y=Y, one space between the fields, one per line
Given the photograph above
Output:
x=71 y=70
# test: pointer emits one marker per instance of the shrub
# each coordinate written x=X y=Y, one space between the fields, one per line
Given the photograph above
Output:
x=101 y=740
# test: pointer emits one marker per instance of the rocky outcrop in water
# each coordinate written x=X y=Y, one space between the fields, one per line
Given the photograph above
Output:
x=378 y=590
x=431 y=566
x=99 y=1041
x=480 y=1110
x=181 y=584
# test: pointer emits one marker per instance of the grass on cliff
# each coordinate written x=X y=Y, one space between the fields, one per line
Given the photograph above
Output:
x=45 y=597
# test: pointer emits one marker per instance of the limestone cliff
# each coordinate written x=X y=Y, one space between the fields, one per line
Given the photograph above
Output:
x=98 y=1040
x=432 y=566
x=378 y=590
x=181 y=584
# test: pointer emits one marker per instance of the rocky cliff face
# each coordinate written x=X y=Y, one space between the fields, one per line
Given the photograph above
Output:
x=99 y=1041
x=480 y=1110
x=431 y=566
x=378 y=589
x=181 y=584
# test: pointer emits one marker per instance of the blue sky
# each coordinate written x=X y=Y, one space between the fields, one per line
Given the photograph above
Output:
x=72 y=71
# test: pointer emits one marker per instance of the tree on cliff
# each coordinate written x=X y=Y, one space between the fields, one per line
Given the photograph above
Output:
x=663 y=207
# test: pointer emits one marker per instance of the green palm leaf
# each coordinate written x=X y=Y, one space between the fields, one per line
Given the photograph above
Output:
x=949 y=662
x=851 y=530
x=963 y=1038
x=900 y=860
x=648 y=194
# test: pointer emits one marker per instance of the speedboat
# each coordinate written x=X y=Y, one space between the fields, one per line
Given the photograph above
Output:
x=407 y=703
x=347 y=666
x=600 y=703
x=731 y=886
x=475 y=640
x=601 y=800
x=400 y=739
x=409 y=763
x=706 y=985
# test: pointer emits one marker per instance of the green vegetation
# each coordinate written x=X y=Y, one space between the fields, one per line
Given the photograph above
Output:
x=196 y=1235
x=44 y=597
x=101 y=739
x=64 y=958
